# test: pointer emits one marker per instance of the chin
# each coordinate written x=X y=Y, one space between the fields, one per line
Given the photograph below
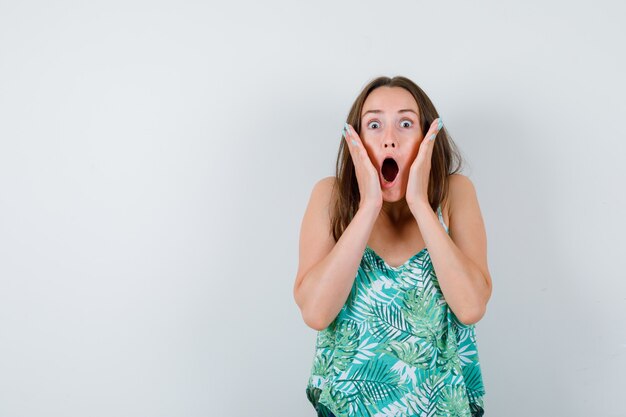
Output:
x=395 y=193
x=393 y=196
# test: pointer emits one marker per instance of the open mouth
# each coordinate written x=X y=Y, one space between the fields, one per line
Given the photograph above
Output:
x=389 y=170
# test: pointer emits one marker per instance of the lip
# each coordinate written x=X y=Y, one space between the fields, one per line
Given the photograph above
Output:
x=386 y=185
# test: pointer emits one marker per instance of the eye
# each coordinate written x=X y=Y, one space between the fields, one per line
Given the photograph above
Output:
x=373 y=123
x=410 y=123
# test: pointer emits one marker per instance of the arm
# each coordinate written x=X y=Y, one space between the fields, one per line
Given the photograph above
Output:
x=459 y=260
x=327 y=269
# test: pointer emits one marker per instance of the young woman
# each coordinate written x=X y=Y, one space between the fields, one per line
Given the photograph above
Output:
x=393 y=266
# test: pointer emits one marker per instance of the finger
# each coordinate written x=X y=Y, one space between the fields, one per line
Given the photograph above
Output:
x=354 y=138
x=430 y=136
x=359 y=149
x=353 y=147
x=356 y=148
x=435 y=127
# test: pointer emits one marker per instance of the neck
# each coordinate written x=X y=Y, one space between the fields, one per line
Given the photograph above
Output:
x=397 y=212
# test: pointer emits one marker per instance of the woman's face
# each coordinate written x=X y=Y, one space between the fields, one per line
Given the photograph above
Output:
x=391 y=132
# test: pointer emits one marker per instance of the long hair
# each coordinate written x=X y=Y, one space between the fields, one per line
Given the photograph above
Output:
x=346 y=196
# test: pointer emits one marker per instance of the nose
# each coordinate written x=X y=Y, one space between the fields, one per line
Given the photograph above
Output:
x=389 y=141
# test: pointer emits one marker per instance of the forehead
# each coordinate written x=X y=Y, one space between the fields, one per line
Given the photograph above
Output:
x=389 y=99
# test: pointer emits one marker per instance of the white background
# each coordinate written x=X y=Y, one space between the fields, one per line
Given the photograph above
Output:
x=156 y=159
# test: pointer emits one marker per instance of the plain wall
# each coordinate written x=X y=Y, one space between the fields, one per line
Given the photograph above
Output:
x=156 y=159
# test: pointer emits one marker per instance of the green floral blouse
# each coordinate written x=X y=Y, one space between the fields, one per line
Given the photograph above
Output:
x=396 y=349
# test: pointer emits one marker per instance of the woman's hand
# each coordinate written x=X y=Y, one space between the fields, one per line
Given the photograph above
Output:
x=419 y=174
x=366 y=174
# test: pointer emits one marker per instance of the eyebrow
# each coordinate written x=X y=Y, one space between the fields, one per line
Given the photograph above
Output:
x=380 y=111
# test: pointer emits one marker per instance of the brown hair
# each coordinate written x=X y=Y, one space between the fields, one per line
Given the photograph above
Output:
x=346 y=196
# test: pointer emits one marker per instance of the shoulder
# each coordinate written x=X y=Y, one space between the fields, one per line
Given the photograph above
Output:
x=461 y=192
x=460 y=180
x=324 y=187
x=321 y=194
x=326 y=182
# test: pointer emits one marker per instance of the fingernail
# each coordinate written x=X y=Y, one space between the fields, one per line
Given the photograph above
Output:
x=440 y=124
x=432 y=137
x=354 y=142
x=345 y=126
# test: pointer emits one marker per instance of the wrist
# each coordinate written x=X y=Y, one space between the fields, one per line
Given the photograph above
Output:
x=371 y=209
x=419 y=206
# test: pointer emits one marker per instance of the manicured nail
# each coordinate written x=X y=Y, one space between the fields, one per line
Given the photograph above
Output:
x=354 y=142
x=345 y=126
x=440 y=124
x=432 y=137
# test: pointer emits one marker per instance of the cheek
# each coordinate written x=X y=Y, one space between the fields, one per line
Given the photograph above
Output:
x=366 y=141
x=416 y=148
